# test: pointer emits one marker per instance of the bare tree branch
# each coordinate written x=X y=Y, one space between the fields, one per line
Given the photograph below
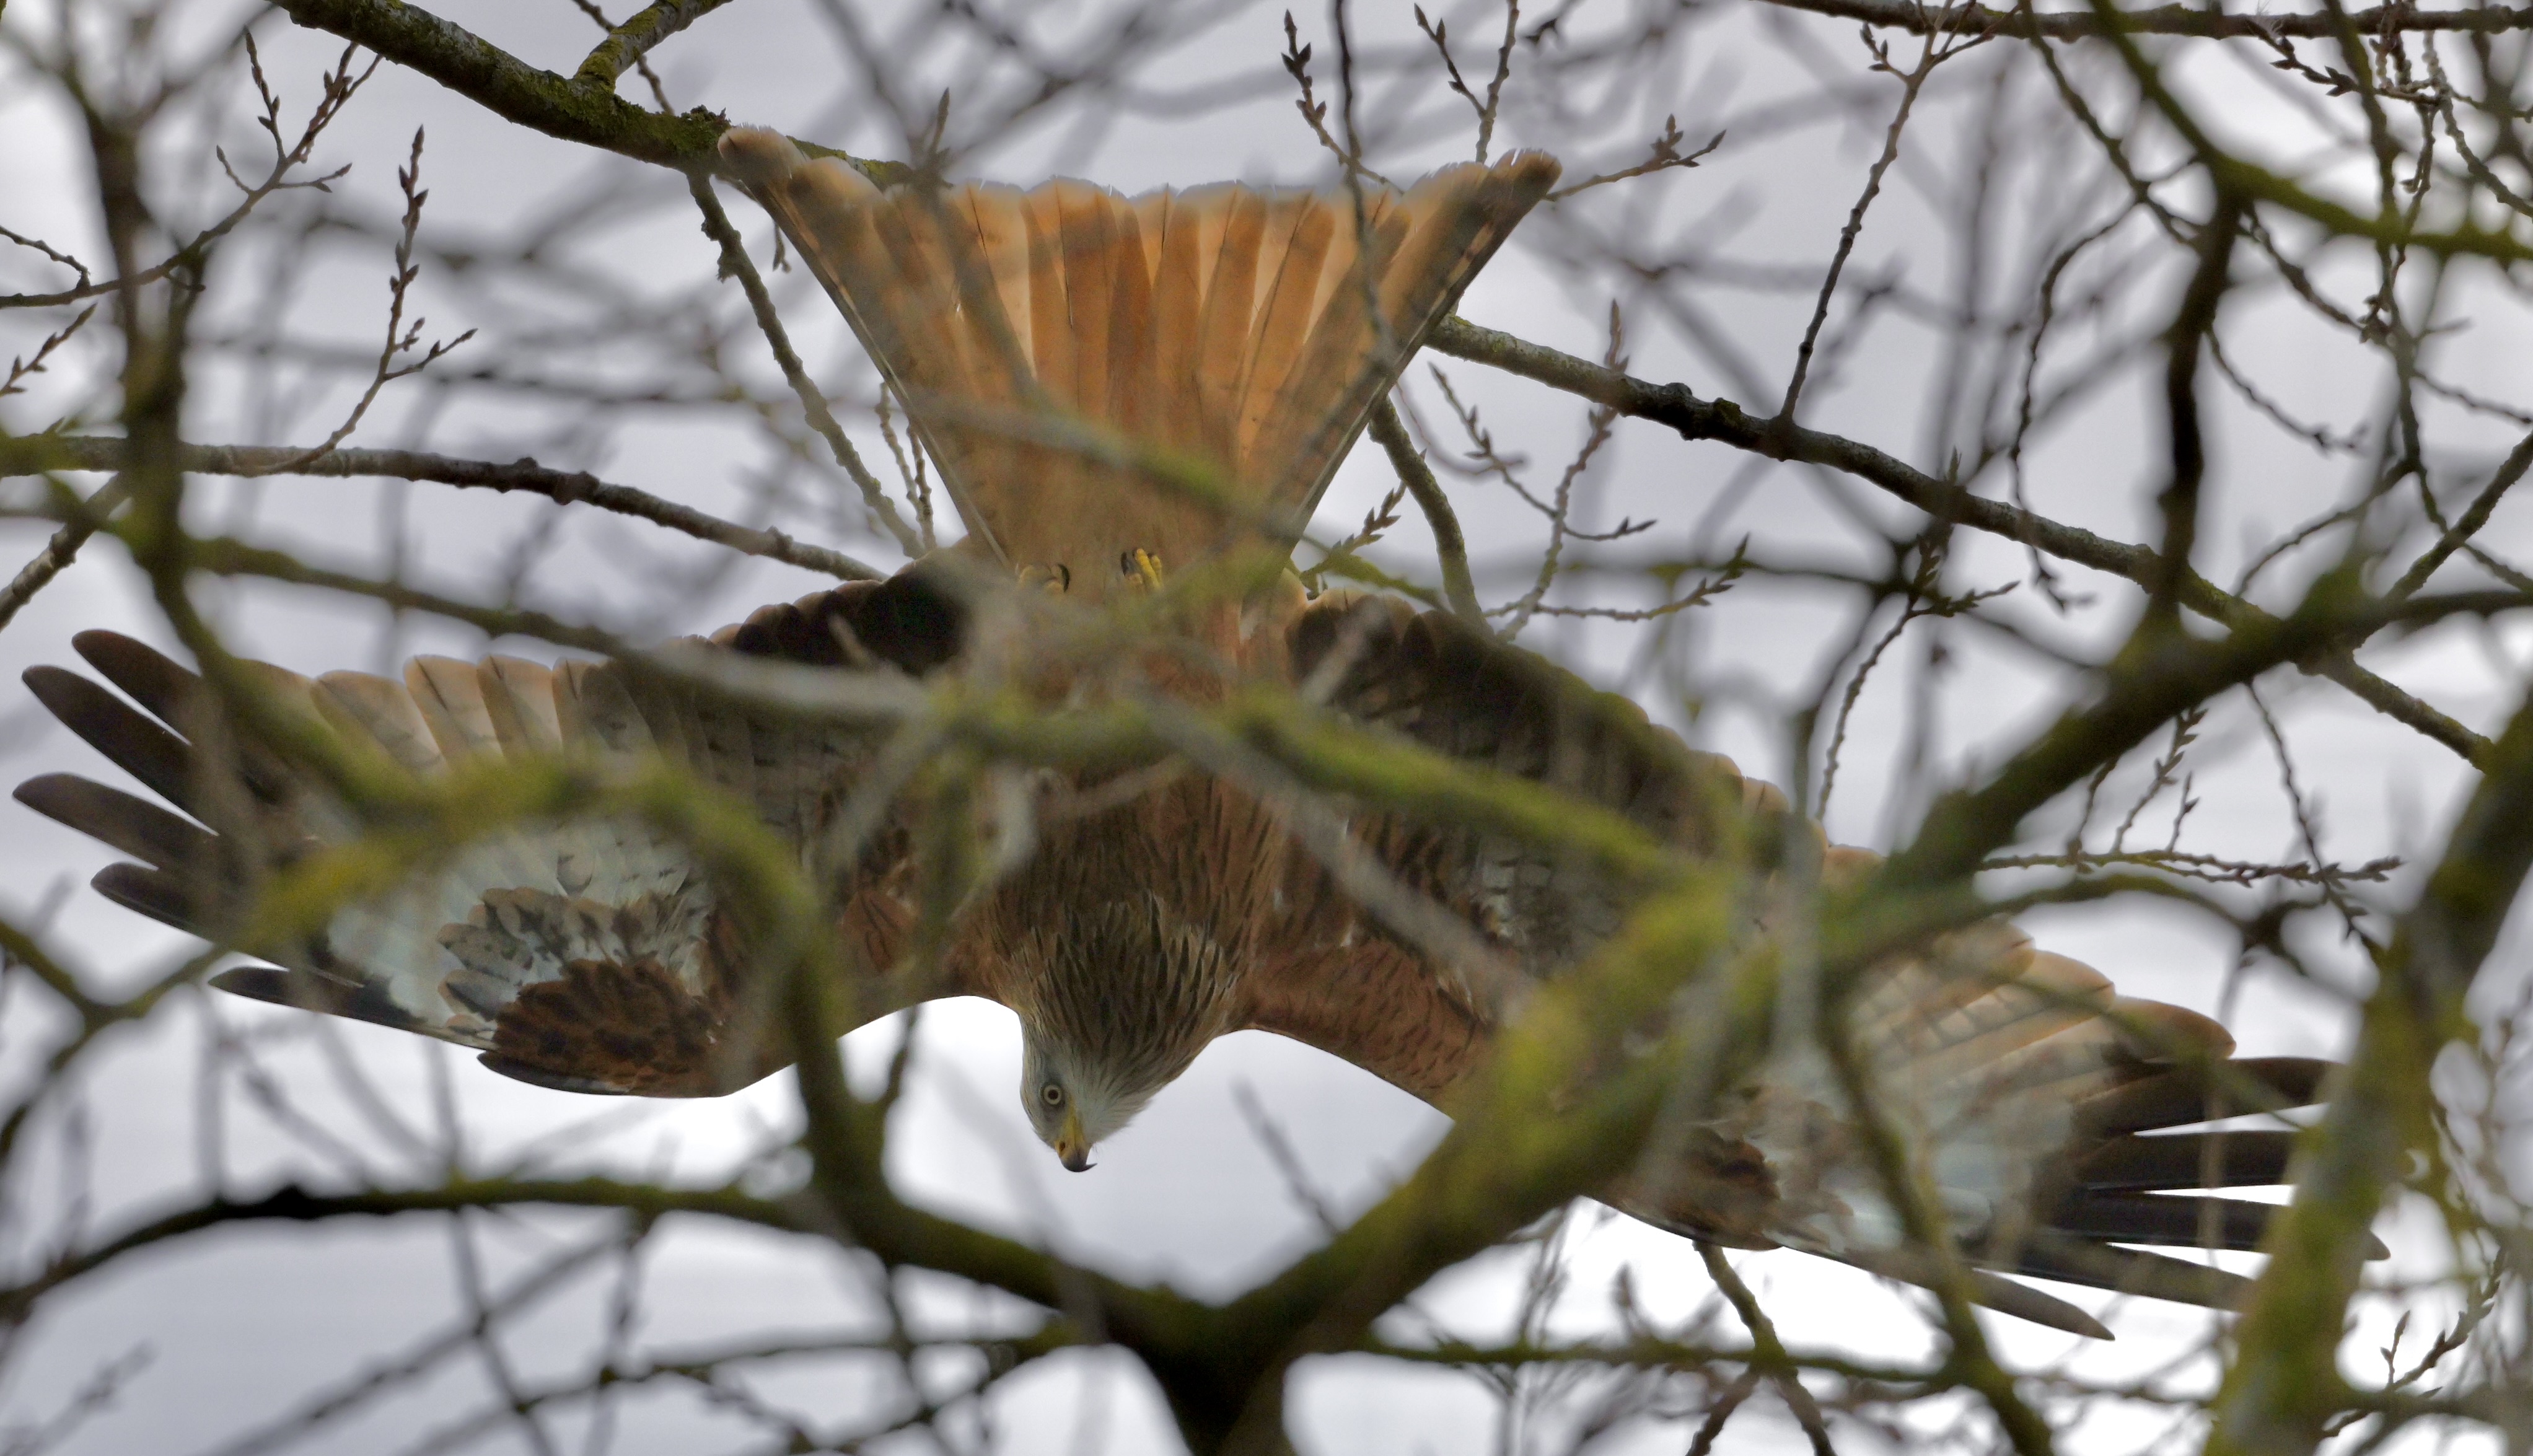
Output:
x=1459 y=589
x=2163 y=20
x=1723 y=420
x=633 y=39
x=35 y=453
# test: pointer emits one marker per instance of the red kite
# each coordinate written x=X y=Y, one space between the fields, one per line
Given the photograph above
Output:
x=1115 y=389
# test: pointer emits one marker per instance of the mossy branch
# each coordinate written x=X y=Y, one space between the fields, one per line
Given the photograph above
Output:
x=633 y=39
x=1520 y=1145
x=512 y=89
x=2285 y=1385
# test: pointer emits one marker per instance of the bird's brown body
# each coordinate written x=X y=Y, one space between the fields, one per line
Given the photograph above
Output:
x=1111 y=387
x=1138 y=932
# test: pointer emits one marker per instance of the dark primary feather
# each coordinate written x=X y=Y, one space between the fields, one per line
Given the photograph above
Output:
x=172 y=694
x=2249 y=1158
x=2179 y=1098
x=2156 y=1218
x=160 y=759
x=134 y=825
x=362 y=1000
x=2129 y=1271
x=148 y=891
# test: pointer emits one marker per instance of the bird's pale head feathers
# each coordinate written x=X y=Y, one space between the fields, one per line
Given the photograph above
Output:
x=1125 y=996
x=1074 y=1100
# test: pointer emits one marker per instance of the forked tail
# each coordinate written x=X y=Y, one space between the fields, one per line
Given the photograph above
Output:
x=1044 y=341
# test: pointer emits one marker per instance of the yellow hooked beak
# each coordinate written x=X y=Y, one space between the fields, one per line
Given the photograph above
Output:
x=1072 y=1144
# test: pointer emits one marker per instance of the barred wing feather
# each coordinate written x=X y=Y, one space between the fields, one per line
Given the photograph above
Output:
x=590 y=953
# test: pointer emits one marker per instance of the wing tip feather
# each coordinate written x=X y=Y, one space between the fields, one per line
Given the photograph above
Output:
x=758 y=157
x=154 y=893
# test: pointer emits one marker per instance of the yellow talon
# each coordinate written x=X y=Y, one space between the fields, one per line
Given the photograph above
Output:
x=1053 y=580
x=1141 y=565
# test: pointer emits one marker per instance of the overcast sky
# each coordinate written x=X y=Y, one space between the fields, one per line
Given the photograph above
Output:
x=241 y=1328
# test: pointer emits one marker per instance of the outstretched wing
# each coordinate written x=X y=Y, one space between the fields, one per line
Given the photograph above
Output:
x=591 y=954
x=2036 y=1099
x=1341 y=979
x=1245 y=331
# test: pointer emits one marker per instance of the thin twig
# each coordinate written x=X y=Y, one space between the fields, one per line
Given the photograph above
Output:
x=400 y=341
x=2215 y=869
x=1597 y=431
x=566 y=487
x=1314 y=112
x=632 y=40
x=1675 y=406
x=1439 y=33
x=339 y=85
x=1910 y=82
x=1449 y=544
x=1665 y=156
x=25 y=367
x=1768 y=1353
x=2163 y=20
x=59 y=551
x=2468 y=524
x=736 y=263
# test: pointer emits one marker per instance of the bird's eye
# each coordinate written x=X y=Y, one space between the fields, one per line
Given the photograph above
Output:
x=1051 y=1094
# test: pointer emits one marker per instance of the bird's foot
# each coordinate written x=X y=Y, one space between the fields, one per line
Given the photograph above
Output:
x=1140 y=569
x=1053 y=580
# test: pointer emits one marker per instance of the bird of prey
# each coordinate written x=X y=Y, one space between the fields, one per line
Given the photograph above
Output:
x=1132 y=403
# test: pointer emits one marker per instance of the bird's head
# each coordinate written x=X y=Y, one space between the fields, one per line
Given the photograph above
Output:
x=1076 y=1100
x=1121 y=998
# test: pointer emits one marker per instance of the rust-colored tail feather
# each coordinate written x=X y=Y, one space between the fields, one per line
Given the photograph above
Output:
x=1243 y=331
